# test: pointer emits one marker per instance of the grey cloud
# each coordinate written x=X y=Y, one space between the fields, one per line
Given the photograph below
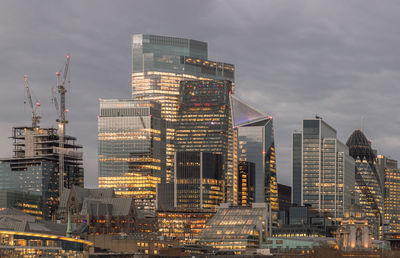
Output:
x=293 y=59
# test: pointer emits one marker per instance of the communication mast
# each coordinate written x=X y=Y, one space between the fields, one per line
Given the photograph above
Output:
x=61 y=113
x=35 y=109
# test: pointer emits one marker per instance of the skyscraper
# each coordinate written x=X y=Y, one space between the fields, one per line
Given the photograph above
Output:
x=368 y=181
x=199 y=180
x=204 y=123
x=391 y=173
x=159 y=63
x=246 y=183
x=324 y=167
x=254 y=136
x=33 y=169
x=131 y=138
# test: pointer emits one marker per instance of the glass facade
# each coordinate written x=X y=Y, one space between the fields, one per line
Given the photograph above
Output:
x=204 y=123
x=25 y=202
x=131 y=138
x=368 y=182
x=325 y=169
x=199 y=182
x=27 y=244
x=183 y=225
x=392 y=193
x=255 y=143
x=159 y=63
x=284 y=196
x=297 y=168
x=236 y=228
x=246 y=183
x=33 y=170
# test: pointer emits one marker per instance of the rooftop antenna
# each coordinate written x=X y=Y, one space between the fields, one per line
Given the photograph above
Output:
x=362 y=124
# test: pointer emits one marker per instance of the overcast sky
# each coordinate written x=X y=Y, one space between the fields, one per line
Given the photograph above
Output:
x=294 y=59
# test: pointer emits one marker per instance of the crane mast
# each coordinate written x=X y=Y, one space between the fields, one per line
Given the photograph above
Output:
x=61 y=79
x=35 y=109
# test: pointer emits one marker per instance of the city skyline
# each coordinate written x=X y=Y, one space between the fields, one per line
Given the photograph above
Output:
x=292 y=61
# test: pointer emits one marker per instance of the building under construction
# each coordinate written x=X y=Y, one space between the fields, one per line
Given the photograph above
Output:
x=34 y=167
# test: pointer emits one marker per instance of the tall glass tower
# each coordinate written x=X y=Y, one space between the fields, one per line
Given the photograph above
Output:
x=368 y=180
x=391 y=172
x=131 y=138
x=254 y=141
x=323 y=171
x=205 y=123
x=199 y=182
x=159 y=63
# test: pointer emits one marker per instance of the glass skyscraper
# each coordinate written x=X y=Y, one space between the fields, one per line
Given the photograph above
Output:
x=159 y=63
x=199 y=180
x=323 y=171
x=33 y=169
x=204 y=123
x=392 y=192
x=246 y=183
x=131 y=139
x=254 y=136
x=368 y=180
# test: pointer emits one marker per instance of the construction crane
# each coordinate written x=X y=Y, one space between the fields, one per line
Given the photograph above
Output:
x=61 y=114
x=35 y=109
x=55 y=101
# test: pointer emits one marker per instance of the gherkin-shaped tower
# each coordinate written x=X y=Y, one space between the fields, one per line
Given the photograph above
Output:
x=368 y=183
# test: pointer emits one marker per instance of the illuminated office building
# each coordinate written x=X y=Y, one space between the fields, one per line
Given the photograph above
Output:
x=246 y=183
x=237 y=228
x=131 y=149
x=285 y=198
x=368 y=181
x=23 y=201
x=199 y=184
x=205 y=123
x=392 y=192
x=182 y=224
x=254 y=141
x=159 y=63
x=22 y=235
x=324 y=167
x=33 y=169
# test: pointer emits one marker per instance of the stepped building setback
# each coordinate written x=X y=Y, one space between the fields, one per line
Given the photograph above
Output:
x=159 y=63
x=323 y=170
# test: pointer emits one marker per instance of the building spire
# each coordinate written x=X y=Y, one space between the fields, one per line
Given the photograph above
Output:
x=362 y=124
x=69 y=231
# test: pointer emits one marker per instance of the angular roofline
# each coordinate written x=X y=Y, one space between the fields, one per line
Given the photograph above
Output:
x=262 y=116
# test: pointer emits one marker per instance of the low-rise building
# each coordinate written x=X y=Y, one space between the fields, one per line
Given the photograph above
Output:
x=354 y=232
x=181 y=224
x=22 y=235
x=296 y=244
x=139 y=243
x=102 y=212
x=237 y=228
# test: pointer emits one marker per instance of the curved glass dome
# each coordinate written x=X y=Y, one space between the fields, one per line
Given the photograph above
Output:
x=360 y=147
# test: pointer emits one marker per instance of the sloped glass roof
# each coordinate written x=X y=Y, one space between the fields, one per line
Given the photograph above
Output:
x=234 y=223
x=243 y=113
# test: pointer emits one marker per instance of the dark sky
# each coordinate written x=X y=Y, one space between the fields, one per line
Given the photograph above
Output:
x=294 y=59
